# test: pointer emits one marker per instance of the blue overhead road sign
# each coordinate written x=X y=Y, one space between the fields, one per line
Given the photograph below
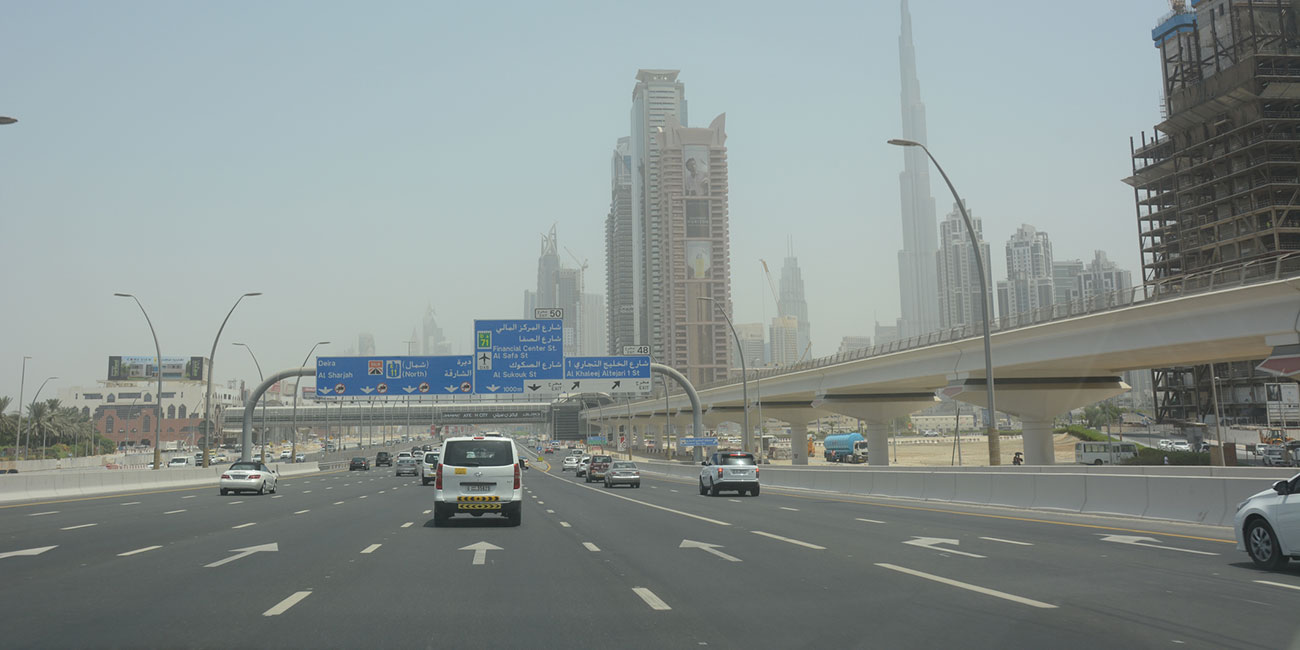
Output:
x=519 y=356
x=628 y=375
x=371 y=377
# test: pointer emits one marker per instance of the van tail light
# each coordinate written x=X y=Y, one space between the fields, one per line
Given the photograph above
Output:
x=517 y=482
x=755 y=472
x=437 y=480
x=719 y=472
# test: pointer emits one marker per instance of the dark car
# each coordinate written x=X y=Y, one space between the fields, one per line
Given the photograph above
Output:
x=598 y=467
x=359 y=463
x=383 y=458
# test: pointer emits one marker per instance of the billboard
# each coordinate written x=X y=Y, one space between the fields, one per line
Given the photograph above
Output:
x=1283 y=402
x=699 y=259
x=695 y=157
x=139 y=367
x=697 y=218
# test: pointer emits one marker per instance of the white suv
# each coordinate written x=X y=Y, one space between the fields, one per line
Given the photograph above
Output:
x=1267 y=525
x=478 y=474
x=428 y=467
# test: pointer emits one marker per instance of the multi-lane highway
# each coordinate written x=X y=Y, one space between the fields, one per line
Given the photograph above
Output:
x=352 y=559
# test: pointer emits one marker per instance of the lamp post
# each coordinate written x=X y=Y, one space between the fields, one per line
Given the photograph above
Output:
x=29 y=419
x=207 y=401
x=1218 y=416
x=260 y=379
x=18 y=433
x=294 y=431
x=744 y=377
x=7 y=120
x=995 y=445
x=157 y=454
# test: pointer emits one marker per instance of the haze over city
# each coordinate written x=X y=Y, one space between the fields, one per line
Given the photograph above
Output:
x=357 y=165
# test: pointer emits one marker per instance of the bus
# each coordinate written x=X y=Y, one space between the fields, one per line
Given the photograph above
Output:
x=1103 y=453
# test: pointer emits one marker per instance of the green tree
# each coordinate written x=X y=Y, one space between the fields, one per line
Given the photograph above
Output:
x=1100 y=413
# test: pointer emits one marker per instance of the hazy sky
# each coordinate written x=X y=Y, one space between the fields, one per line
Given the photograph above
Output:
x=358 y=161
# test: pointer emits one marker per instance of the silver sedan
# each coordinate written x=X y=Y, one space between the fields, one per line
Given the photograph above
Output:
x=623 y=472
x=247 y=477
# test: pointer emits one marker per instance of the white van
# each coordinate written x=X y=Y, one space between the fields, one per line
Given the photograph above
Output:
x=478 y=474
x=1103 y=453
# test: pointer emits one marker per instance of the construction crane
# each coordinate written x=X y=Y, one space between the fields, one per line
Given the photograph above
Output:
x=770 y=283
x=582 y=271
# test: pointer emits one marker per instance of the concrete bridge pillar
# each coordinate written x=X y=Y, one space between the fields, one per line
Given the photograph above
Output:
x=799 y=443
x=878 y=411
x=1039 y=449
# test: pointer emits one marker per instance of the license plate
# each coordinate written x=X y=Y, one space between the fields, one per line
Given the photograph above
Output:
x=478 y=488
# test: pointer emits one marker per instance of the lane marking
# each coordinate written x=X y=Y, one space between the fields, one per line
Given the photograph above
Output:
x=251 y=523
x=172 y=512
x=591 y=547
x=790 y=509
x=408 y=524
x=933 y=542
x=370 y=549
x=362 y=496
x=138 y=550
x=1277 y=584
x=131 y=503
x=541 y=503
x=302 y=511
x=338 y=503
x=27 y=551
x=47 y=512
x=278 y=496
x=190 y=496
x=117 y=496
x=76 y=527
x=286 y=604
x=427 y=512
x=549 y=511
x=870 y=521
x=650 y=598
x=233 y=503
x=309 y=491
x=787 y=539
x=969 y=587
x=382 y=491
x=1007 y=541
x=331 y=487
x=672 y=490
x=734 y=500
x=637 y=501
x=562 y=523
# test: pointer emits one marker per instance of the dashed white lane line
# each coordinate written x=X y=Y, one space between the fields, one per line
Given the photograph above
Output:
x=190 y=496
x=734 y=500
x=541 y=503
x=650 y=598
x=426 y=512
x=787 y=539
x=969 y=587
x=234 y=502
x=251 y=523
x=306 y=491
x=302 y=511
x=591 y=547
x=382 y=491
x=338 y=503
x=286 y=604
x=639 y=502
x=131 y=503
x=172 y=512
x=408 y=524
x=790 y=509
x=370 y=549
x=138 y=550
x=329 y=487
x=1278 y=584
x=549 y=511
x=672 y=490
x=1007 y=541
x=870 y=521
x=278 y=496
x=76 y=527
x=47 y=512
x=562 y=523
x=362 y=496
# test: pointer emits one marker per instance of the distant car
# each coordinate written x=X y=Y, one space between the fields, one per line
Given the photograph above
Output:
x=729 y=470
x=1265 y=525
x=407 y=467
x=931 y=434
x=570 y=463
x=220 y=458
x=286 y=454
x=383 y=458
x=597 y=467
x=523 y=463
x=404 y=454
x=1181 y=445
x=623 y=472
x=1165 y=445
x=582 y=466
x=247 y=477
x=300 y=458
x=180 y=461
x=550 y=450
x=359 y=463
x=428 y=467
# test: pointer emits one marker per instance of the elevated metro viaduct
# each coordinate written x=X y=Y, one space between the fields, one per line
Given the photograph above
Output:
x=1041 y=370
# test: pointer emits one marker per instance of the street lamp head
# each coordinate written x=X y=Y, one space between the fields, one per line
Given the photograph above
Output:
x=899 y=142
x=322 y=343
x=254 y=293
x=7 y=120
x=124 y=295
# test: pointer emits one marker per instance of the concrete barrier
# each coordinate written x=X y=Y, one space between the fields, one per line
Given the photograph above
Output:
x=1195 y=499
x=1014 y=490
x=1116 y=495
x=1059 y=492
x=940 y=486
x=62 y=485
x=972 y=488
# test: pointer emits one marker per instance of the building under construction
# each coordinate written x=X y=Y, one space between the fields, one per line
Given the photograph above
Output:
x=1218 y=185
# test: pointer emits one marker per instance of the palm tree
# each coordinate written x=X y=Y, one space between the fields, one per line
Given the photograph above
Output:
x=7 y=428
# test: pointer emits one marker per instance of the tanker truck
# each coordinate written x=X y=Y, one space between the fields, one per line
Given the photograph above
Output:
x=846 y=448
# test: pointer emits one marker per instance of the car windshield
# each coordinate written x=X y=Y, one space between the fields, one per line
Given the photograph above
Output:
x=478 y=453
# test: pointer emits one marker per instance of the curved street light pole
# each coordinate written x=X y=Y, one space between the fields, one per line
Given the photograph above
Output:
x=294 y=430
x=744 y=377
x=260 y=379
x=29 y=419
x=18 y=434
x=207 y=397
x=157 y=453
x=995 y=444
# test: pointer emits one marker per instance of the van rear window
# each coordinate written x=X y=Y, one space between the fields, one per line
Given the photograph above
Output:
x=737 y=459
x=479 y=453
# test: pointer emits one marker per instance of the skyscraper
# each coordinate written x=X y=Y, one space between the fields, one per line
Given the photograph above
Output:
x=1029 y=283
x=959 y=284
x=694 y=254
x=548 y=263
x=620 y=271
x=753 y=346
x=560 y=287
x=366 y=344
x=432 y=341
x=917 y=283
x=1065 y=276
x=792 y=302
x=594 y=341
x=657 y=98
x=785 y=340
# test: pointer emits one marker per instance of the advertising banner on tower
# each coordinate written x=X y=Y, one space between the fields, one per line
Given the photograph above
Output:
x=699 y=259
x=695 y=157
x=697 y=218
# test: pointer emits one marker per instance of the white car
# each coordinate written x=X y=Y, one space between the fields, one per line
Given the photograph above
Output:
x=581 y=469
x=179 y=461
x=286 y=454
x=403 y=454
x=478 y=474
x=729 y=470
x=246 y=476
x=570 y=463
x=1165 y=445
x=429 y=467
x=1181 y=445
x=1267 y=525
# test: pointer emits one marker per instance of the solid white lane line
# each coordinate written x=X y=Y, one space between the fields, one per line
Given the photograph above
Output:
x=1007 y=541
x=427 y=512
x=138 y=550
x=76 y=527
x=791 y=509
x=131 y=503
x=338 y=503
x=172 y=512
x=1277 y=584
x=190 y=496
x=870 y=521
x=591 y=547
x=251 y=523
x=286 y=604
x=48 y=512
x=302 y=511
x=639 y=502
x=650 y=598
x=565 y=524
x=969 y=587
x=787 y=539
x=408 y=524
x=370 y=549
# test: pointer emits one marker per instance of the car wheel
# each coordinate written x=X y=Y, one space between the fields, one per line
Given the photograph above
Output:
x=262 y=488
x=515 y=517
x=753 y=491
x=713 y=490
x=637 y=485
x=1261 y=544
x=703 y=490
x=274 y=487
x=1096 y=462
x=224 y=492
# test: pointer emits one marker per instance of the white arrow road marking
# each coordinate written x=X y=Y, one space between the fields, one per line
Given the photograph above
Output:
x=76 y=527
x=1007 y=541
x=787 y=539
x=245 y=552
x=650 y=598
x=138 y=550
x=287 y=603
x=1141 y=541
x=47 y=512
x=930 y=542
x=29 y=551
x=480 y=551
x=1277 y=584
x=591 y=547
x=710 y=548
x=870 y=521
x=969 y=587
x=370 y=549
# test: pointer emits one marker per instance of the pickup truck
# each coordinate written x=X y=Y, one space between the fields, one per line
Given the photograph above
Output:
x=598 y=467
x=846 y=448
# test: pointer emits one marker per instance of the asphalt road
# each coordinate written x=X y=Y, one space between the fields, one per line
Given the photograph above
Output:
x=357 y=562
